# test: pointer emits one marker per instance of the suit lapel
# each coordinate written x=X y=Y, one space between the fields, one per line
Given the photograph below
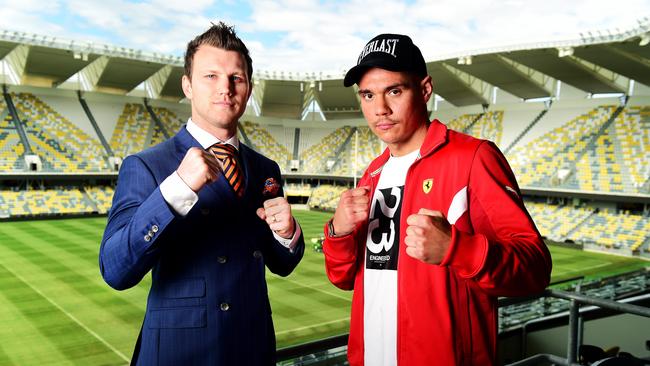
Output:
x=246 y=162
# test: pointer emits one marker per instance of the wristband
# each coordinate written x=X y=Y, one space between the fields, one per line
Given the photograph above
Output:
x=330 y=228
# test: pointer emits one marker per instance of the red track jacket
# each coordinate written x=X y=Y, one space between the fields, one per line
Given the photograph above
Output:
x=447 y=313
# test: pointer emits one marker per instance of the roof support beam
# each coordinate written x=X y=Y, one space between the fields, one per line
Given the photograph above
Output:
x=613 y=80
x=13 y=65
x=258 y=93
x=154 y=84
x=311 y=100
x=542 y=80
x=476 y=86
x=88 y=77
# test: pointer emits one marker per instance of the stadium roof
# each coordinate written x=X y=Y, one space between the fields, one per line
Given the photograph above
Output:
x=595 y=64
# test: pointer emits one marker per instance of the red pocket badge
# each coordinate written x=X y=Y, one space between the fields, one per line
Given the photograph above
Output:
x=271 y=188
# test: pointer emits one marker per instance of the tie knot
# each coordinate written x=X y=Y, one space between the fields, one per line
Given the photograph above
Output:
x=223 y=151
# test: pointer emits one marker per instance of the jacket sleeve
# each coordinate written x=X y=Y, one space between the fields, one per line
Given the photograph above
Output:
x=341 y=258
x=342 y=253
x=137 y=219
x=505 y=255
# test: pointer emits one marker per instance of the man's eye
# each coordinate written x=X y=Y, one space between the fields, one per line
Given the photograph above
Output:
x=210 y=76
x=394 y=92
x=367 y=96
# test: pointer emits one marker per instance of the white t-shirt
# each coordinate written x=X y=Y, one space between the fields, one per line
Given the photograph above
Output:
x=382 y=250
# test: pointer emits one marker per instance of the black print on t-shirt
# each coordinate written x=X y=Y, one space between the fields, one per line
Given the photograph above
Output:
x=383 y=229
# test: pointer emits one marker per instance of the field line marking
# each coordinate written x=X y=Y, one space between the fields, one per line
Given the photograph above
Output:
x=311 y=326
x=69 y=315
x=316 y=289
x=586 y=268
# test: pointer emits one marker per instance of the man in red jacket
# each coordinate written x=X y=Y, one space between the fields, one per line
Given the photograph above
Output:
x=435 y=231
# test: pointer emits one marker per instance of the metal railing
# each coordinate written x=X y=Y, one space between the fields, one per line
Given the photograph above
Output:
x=574 y=329
x=575 y=325
x=320 y=345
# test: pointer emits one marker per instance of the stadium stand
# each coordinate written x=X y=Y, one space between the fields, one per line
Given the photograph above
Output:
x=600 y=229
x=633 y=134
x=11 y=150
x=298 y=189
x=49 y=201
x=598 y=169
x=170 y=121
x=487 y=126
x=134 y=130
x=101 y=196
x=543 y=215
x=462 y=122
x=614 y=230
x=266 y=144
x=321 y=157
x=556 y=222
x=359 y=152
x=61 y=145
x=325 y=197
x=550 y=159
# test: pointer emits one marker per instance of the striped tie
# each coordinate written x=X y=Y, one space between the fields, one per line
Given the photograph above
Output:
x=227 y=154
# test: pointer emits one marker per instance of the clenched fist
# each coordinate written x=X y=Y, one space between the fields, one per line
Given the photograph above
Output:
x=198 y=168
x=428 y=236
x=353 y=209
x=277 y=214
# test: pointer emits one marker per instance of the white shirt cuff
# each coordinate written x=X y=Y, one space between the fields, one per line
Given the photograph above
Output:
x=178 y=194
x=290 y=243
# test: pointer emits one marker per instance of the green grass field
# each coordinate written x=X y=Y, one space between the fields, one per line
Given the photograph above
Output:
x=55 y=308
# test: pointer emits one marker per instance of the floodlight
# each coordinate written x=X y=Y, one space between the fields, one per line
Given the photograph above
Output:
x=565 y=51
x=465 y=60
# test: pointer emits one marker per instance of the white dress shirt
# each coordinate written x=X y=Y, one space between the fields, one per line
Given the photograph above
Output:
x=182 y=198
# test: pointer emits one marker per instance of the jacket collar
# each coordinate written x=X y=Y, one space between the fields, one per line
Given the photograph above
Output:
x=184 y=140
x=436 y=137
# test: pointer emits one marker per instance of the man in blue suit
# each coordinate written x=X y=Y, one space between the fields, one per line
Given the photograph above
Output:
x=204 y=225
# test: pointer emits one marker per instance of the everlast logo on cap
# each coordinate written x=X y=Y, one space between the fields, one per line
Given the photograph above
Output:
x=393 y=52
x=383 y=45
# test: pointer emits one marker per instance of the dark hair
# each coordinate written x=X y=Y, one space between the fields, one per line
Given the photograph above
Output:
x=221 y=36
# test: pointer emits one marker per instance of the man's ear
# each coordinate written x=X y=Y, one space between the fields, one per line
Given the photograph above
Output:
x=250 y=88
x=186 y=84
x=426 y=85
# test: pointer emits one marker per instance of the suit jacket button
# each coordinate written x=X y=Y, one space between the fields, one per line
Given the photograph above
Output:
x=222 y=259
x=205 y=211
x=147 y=238
x=154 y=228
x=224 y=306
x=257 y=254
x=150 y=233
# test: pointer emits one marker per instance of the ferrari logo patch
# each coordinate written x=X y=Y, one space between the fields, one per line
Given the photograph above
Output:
x=426 y=185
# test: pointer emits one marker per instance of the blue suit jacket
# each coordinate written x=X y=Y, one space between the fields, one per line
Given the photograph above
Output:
x=208 y=302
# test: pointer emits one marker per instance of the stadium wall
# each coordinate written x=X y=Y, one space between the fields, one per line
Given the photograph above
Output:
x=629 y=332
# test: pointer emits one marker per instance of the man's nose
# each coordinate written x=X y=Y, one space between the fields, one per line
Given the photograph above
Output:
x=224 y=86
x=381 y=107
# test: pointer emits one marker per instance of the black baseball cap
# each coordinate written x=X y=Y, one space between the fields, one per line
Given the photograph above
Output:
x=392 y=52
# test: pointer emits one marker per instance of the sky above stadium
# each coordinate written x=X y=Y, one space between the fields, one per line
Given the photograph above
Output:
x=312 y=35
